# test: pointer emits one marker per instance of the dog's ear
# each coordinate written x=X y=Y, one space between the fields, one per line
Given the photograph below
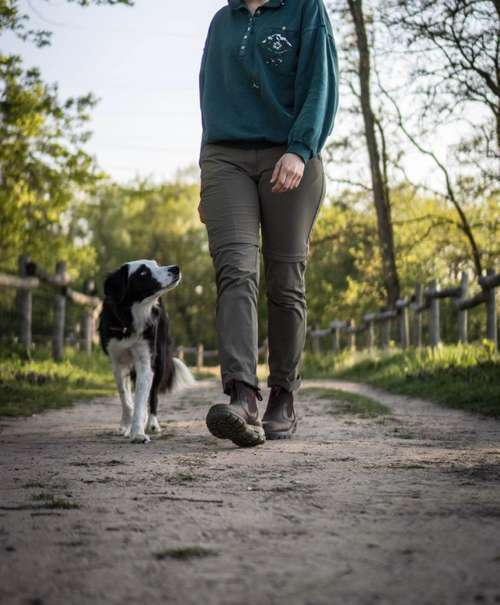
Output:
x=115 y=284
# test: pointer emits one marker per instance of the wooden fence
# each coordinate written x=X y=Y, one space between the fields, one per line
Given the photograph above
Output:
x=202 y=354
x=31 y=277
x=408 y=313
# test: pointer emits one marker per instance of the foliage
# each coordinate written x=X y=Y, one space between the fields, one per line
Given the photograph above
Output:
x=344 y=272
x=42 y=166
x=143 y=220
x=464 y=377
x=29 y=387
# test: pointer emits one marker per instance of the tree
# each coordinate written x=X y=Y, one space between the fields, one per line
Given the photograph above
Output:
x=410 y=88
x=457 y=42
x=357 y=67
x=43 y=167
x=456 y=68
x=379 y=184
x=344 y=278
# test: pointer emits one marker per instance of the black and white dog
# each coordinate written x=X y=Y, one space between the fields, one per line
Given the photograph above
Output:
x=134 y=332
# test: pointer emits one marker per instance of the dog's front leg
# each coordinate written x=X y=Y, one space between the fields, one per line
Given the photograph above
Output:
x=144 y=380
x=122 y=379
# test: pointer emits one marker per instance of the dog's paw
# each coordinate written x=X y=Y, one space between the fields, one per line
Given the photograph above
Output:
x=124 y=430
x=139 y=438
x=153 y=425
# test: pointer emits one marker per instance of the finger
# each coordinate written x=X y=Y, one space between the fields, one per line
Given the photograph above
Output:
x=280 y=179
x=281 y=185
x=276 y=171
x=298 y=180
x=290 y=182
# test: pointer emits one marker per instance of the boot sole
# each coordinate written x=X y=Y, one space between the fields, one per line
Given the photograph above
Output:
x=223 y=424
x=270 y=435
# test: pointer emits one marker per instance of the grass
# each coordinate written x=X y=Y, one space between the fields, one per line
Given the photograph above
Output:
x=206 y=374
x=348 y=403
x=53 y=502
x=460 y=376
x=403 y=434
x=184 y=553
x=184 y=477
x=32 y=386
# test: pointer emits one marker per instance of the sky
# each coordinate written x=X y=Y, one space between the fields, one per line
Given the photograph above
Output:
x=142 y=63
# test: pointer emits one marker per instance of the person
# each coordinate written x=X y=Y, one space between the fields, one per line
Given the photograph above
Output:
x=268 y=97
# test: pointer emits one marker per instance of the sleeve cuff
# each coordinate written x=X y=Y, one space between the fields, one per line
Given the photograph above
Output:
x=301 y=150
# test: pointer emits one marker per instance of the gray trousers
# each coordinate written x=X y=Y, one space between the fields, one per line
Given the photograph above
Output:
x=236 y=203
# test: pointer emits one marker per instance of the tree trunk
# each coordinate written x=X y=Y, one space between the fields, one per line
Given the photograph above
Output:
x=380 y=195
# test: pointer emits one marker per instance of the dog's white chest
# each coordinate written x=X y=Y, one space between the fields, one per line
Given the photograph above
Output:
x=122 y=351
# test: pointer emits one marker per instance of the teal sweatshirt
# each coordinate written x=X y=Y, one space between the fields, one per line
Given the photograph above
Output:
x=271 y=77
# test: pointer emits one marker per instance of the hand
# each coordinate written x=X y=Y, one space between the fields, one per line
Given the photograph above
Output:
x=287 y=173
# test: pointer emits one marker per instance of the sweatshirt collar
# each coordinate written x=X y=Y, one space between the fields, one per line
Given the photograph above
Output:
x=236 y=4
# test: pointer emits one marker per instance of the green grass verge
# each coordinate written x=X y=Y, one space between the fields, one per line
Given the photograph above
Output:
x=29 y=387
x=461 y=376
x=342 y=402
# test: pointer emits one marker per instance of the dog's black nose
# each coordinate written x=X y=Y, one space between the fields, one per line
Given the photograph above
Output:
x=174 y=269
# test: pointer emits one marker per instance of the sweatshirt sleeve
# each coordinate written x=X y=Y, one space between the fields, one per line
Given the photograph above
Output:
x=201 y=77
x=316 y=91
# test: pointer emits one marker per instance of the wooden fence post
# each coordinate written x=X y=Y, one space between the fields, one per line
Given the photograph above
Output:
x=199 y=356
x=386 y=333
x=352 y=336
x=491 y=318
x=59 y=317
x=417 y=316
x=435 y=327
x=88 y=318
x=462 y=313
x=371 y=334
x=315 y=346
x=404 y=328
x=336 y=339
x=25 y=303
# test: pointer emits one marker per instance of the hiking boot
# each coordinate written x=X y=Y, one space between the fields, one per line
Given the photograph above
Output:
x=239 y=421
x=279 y=420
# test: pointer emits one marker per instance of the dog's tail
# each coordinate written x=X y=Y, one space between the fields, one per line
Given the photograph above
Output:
x=181 y=376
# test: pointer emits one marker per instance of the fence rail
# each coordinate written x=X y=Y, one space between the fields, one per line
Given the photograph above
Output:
x=408 y=312
x=202 y=354
x=31 y=277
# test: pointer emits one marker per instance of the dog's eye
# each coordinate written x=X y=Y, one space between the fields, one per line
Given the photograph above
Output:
x=143 y=274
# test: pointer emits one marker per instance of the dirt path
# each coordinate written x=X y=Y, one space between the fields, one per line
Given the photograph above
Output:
x=402 y=508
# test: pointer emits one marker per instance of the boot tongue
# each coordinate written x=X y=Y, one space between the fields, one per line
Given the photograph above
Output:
x=275 y=390
x=245 y=393
x=280 y=400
